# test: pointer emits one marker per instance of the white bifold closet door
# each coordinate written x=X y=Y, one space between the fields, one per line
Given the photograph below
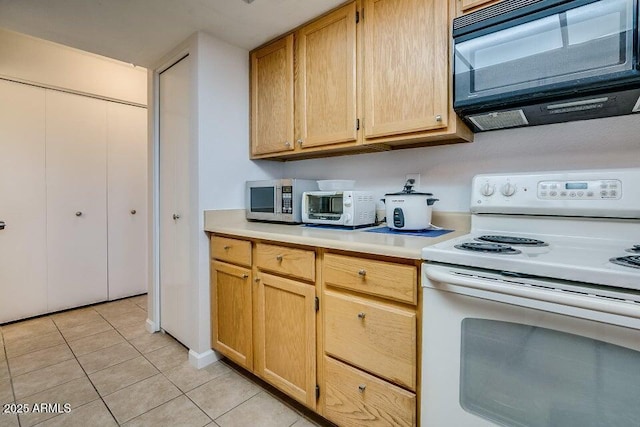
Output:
x=127 y=199
x=76 y=171
x=23 y=257
x=174 y=215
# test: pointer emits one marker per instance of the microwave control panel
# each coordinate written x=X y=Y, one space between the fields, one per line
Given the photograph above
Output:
x=287 y=199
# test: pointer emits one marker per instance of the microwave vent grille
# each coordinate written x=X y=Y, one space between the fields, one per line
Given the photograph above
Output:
x=491 y=12
x=499 y=120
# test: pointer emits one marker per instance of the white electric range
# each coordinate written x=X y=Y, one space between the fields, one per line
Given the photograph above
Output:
x=533 y=318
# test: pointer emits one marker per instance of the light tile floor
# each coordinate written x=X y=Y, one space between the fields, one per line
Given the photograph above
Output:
x=103 y=364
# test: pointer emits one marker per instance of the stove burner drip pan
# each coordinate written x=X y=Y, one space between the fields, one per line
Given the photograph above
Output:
x=512 y=240
x=632 y=261
x=494 y=248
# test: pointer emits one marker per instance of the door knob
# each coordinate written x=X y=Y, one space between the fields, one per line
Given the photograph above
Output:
x=78 y=213
x=176 y=216
x=133 y=212
x=2 y=225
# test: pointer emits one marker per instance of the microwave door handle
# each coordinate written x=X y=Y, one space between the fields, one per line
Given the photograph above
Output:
x=278 y=201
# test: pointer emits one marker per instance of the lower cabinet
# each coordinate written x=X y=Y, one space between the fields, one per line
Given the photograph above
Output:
x=231 y=313
x=285 y=327
x=335 y=331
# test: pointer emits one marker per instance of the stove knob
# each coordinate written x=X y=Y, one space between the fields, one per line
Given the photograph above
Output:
x=487 y=189
x=508 y=189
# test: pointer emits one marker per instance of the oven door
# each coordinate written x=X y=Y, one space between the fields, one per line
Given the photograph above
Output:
x=324 y=207
x=497 y=352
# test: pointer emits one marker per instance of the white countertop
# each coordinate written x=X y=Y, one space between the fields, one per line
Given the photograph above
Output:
x=233 y=222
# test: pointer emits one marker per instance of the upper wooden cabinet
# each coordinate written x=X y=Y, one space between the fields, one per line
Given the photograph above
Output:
x=326 y=80
x=466 y=6
x=405 y=61
x=373 y=74
x=272 y=98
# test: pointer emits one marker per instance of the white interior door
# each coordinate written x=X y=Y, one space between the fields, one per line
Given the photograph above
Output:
x=23 y=257
x=127 y=199
x=174 y=135
x=76 y=200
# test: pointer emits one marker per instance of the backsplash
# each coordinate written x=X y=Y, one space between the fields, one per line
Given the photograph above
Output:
x=447 y=170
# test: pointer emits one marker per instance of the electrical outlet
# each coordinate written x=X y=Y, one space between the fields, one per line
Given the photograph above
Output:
x=416 y=178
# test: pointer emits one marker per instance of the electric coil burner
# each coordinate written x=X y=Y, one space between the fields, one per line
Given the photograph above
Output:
x=632 y=261
x=515 y=240
x=634 y=250
x=494 y=248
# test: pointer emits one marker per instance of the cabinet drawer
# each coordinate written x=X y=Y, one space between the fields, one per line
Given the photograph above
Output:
x=374 y=336
x=385 y=279
x=293 y=262
x=231 y=250
x=354 y=397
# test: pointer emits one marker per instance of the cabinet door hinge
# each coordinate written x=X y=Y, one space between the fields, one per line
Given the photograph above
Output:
x=317 y=391
x=357 y=124
x=357 y=17
x=317 y=304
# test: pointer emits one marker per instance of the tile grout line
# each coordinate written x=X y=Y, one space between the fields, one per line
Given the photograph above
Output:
x=85 y=372
x=6 y=360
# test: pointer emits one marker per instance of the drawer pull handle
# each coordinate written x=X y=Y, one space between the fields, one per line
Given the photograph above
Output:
x=362 y=272
x=279 y=258
x=227 y=247
x=362 y=387
x=361 y=315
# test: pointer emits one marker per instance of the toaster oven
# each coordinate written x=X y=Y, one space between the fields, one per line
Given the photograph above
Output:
x=346 y=208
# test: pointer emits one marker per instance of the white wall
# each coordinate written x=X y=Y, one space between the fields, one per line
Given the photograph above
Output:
x=223 y=149
x=30 y=60
x=447 y=170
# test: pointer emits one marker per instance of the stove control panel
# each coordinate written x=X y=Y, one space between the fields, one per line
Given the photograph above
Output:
x=612 y=193
x=580 y=190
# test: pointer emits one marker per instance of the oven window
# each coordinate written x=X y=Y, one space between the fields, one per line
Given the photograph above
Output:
x=262 y=199
x=328 y=207
x=521 y=375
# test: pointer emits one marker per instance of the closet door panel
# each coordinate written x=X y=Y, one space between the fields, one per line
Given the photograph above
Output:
x=76 y=165
x=23 y=257
x=127 y=199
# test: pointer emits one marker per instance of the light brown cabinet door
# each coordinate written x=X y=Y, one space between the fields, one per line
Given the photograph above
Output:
x=326 y=79
x=465 y=5
x=286 y=336
x=405 y=66
x=231 y=312
x=272 y=97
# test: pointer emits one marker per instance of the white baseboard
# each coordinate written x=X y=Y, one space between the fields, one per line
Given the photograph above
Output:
x=201 y=360
x=151 y=326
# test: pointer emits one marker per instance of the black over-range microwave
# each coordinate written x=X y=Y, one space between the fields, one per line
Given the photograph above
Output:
x=532 y=62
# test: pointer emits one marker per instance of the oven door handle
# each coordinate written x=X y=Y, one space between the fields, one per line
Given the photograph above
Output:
x=446 y=276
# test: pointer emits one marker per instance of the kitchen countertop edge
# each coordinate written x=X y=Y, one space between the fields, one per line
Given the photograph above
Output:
x=233 y=222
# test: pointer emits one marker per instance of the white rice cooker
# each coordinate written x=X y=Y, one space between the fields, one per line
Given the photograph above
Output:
x=408 y=209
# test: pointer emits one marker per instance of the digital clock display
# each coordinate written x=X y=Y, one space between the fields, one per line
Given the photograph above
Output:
x=576 y=186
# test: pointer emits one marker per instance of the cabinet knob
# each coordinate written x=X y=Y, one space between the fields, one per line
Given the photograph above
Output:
x=438 y=118
x=362 y=272
x=361 y=315
x=2 y=225
x=257 y=280
x=362 y=387
x=133 y=212
x=300 y=142
x=287 y=144
x=176 y=216
x=226 y=248
x=245 y=276
x=78 y=213
x=279 y=258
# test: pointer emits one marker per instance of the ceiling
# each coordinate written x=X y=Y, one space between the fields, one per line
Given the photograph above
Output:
x=142 y=31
